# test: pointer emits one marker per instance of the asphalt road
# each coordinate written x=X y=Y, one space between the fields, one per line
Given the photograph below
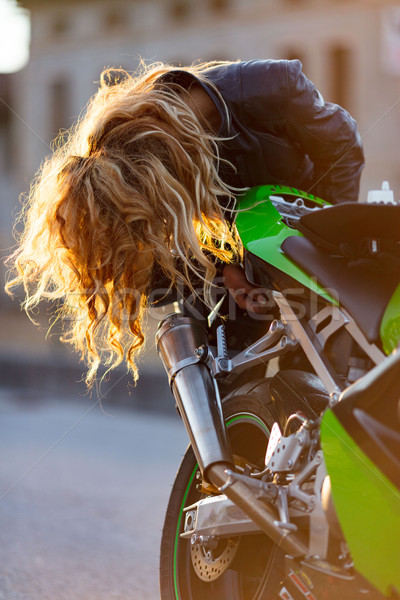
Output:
x=82 y=498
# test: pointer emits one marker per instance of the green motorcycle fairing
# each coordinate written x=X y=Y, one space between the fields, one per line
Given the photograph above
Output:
x=262 y=230
x=360 y=438
x=367 y=504
x=390 y=325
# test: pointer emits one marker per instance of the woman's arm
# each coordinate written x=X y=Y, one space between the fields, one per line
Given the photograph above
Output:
x=246 y=295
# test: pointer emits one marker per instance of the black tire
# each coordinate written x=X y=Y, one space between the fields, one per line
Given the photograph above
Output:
x=257 y=568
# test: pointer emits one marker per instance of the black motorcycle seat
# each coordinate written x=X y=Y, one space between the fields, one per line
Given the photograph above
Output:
x=351 y=223
x=363 y=292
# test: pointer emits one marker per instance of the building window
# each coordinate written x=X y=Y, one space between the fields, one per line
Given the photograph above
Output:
x=60 y=113
x=115 y=19
x=218 y=5
x=180 y=9
x=61 y=25
x=340 y=68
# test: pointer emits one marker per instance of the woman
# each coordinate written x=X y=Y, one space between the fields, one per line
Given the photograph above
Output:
x=143 y=188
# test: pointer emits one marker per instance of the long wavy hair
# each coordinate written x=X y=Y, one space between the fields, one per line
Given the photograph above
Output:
x=133 y=187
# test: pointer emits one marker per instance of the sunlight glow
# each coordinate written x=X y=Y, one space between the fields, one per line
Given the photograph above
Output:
x=14 y=36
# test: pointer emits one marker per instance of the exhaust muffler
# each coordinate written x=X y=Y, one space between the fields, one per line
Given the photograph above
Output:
x=182 y=343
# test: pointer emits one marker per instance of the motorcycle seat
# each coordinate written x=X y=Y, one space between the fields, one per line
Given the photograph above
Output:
x=352 y=223
x=363 y=292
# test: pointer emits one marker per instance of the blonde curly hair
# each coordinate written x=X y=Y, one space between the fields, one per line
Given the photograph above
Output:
x=134 y=186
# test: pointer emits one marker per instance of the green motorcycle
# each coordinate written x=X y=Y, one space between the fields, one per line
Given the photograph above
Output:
x=290 y=487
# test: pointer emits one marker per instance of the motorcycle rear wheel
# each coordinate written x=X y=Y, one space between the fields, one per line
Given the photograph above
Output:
x=257 y=568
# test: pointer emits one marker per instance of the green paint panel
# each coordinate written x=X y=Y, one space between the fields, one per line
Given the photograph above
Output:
x=367 y=504
x=262 y=231
x=390 y=326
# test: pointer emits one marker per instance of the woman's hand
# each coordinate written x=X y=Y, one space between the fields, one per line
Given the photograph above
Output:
x=246 y=295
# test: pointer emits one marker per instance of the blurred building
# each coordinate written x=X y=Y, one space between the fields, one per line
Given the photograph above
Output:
x=349 y=48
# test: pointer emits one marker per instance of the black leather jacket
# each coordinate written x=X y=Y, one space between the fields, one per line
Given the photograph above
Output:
x=281 y=130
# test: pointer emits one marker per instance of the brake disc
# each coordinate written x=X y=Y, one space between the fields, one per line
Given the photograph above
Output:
x=210 y=563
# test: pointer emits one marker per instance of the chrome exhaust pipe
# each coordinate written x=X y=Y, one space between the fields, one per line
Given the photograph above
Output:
x=180 y=342
x=260 y=512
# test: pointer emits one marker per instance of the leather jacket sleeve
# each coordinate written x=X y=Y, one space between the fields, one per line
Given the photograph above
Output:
x=292 y=107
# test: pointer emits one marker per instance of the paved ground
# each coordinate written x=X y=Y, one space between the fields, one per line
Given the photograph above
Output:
x=82 y=498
